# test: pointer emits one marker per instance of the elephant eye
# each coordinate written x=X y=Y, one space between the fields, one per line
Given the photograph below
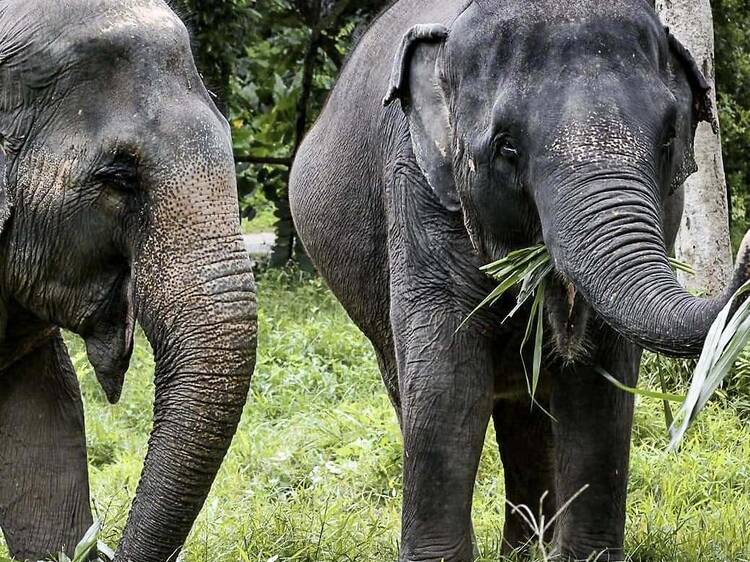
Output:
x=505 y=148
x=670 y=138
x=122 y=176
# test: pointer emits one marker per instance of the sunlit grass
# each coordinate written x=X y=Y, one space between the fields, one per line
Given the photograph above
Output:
x=315 y=471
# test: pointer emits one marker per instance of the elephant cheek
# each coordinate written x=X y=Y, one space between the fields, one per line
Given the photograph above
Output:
x=569 y=316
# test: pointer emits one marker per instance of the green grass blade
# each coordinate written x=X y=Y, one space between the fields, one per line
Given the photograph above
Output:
x=639 y=391
x=538 y=341
x=105 y=551
x=530 y=284
x=724 y=364
x=526 y=336
x=87 y=544
x=514 y=260
x=490 y=299
x=668 y=417
x=526 y=267
x=678 y=265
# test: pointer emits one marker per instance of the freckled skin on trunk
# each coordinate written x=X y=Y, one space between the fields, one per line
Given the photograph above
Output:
x=564 y=123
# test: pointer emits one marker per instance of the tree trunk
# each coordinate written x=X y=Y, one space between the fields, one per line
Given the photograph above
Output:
x=703 y=241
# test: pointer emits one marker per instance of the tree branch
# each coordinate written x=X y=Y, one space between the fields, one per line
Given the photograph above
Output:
x=308 y=71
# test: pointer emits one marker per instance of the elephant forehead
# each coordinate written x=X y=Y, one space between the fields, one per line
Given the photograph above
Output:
x=149 y=16
x=43 y=42
x=93 y=16
x=512 y=25
x=565 y=10
x=103 y=26
x=131 y=27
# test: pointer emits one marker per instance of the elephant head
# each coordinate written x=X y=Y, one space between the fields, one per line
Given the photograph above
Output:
x=570 y=124
x=118 y=203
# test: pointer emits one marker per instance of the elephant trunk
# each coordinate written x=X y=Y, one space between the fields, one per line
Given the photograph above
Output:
x=195 y=298
x=606 y=237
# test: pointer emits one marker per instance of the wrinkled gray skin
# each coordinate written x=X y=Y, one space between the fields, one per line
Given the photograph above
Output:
x=119 y=203
x=568 y=123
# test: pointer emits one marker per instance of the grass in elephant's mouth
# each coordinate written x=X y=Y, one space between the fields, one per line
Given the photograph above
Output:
x=528 y=271
x=314 y=473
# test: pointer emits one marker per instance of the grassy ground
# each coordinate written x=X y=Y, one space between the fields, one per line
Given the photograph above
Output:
x=314 y=472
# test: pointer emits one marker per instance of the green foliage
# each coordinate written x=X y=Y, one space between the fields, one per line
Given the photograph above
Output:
x=732 y=32
x=265 y=91
x=215 y=27
x=525 y=270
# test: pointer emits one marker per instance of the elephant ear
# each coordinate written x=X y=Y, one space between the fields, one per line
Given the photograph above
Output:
x=703 y=106
x=693 y=93
x=418 y=83
x=4 y=196
x=4 y=215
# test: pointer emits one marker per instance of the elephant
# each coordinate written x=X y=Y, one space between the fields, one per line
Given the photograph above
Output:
x=118 y=204
x=509 y=124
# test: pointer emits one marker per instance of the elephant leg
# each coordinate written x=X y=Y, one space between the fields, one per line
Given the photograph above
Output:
x=592 y=449
x=525 y=440
x=44 y=491
x=446 y=401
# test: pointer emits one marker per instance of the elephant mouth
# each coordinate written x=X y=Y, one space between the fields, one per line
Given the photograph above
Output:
x=569 y=316
x=109 y=337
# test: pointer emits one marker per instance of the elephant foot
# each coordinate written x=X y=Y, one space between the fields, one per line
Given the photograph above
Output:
x=441 y=551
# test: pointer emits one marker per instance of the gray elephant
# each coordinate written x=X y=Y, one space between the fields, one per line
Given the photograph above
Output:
x=568 y=123
x=117 y=203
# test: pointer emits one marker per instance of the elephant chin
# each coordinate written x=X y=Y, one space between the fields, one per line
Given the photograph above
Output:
x=569 y=316
x=109 y=344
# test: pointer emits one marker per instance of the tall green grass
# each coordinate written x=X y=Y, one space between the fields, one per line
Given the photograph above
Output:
x=314 y=473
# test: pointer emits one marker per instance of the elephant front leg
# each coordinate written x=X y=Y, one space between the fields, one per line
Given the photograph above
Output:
x=525 y=440
x=44 y=491
x=592 y=448
x=446 y=394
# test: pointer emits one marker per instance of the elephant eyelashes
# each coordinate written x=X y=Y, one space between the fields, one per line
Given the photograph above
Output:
x=123 y=176
x=504 y=148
